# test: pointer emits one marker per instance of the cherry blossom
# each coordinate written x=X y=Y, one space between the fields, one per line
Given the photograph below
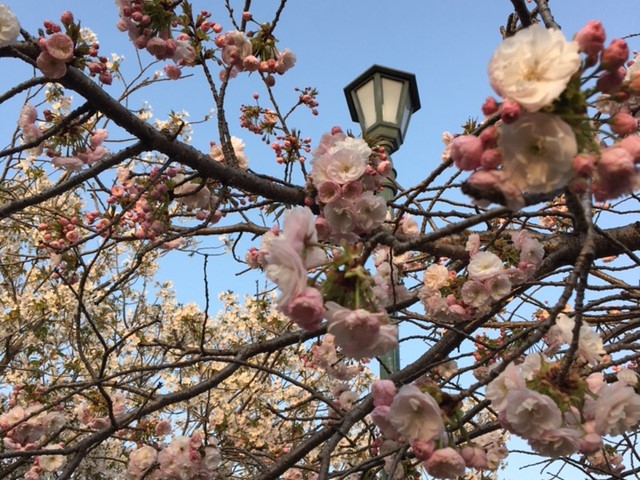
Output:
x=9 y=26
x=537 y=152
x=416 y=415
x=533 y=66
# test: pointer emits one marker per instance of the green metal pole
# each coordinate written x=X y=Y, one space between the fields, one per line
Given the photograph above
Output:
x=390 y=361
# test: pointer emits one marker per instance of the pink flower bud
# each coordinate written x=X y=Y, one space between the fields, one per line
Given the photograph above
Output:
x=173 y=72
x=106 y=77
x=491 y=158
x=423 y=449
x=72 y=236
x=583 y=164
x=623 y=123
x=96 y=67
x=510 y=111
x=250 y=63
x=489 y=137
x=246 y=16
x=632 y=145
x=66 y=18
x=615 y=55
x=611 y=81
x=384 y=168
x=466 y=152
x=590 y=40
x=490 y=106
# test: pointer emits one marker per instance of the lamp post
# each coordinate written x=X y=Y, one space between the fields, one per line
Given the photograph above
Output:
x=382 y=101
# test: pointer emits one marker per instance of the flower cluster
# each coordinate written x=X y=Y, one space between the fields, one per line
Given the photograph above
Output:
x=346 y=173
x=255 y=51
x=545 y=140
x=148 y=25
x=360 y=329
x=74 y=46
x=87 y=152
x=184 y=457
x=216 y=153
x=452 y=298
x=27 y=427
x=559 y=419
x=414 y=416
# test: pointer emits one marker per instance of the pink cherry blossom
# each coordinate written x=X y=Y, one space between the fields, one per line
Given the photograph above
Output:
x=329 y=191
x=474 y=457
x=50 y=66
x=435 y=277
x=423 y=449
x=286 y=60
x=484 y=265
x=537 y=152
x=383 y=392
x=445 y=463
x=474 y=294
x=533 y=66
x=557 y=443
x=9 y=26
x=380 y=417
x=235 y=48
x=306 y=309
x=370 y=211
x=71 y=164
x=360 y=333
x=466 y=152
x=286 y=270
x=341 y=216
x=530 y=414
x=632 y=145
x=416 y=415
x=616 y=174
x=59 y=46
x=192 y=194
x=299 y=229
x=140 y=460
x=217 y=154
x=616 y=410
x=510 y=379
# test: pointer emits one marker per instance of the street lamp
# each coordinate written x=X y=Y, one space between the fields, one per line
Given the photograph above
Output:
x=382 y=100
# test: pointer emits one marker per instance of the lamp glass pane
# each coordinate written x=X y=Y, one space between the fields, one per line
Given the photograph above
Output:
x=391 y=92
x=366 y=98
x=406 y=115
